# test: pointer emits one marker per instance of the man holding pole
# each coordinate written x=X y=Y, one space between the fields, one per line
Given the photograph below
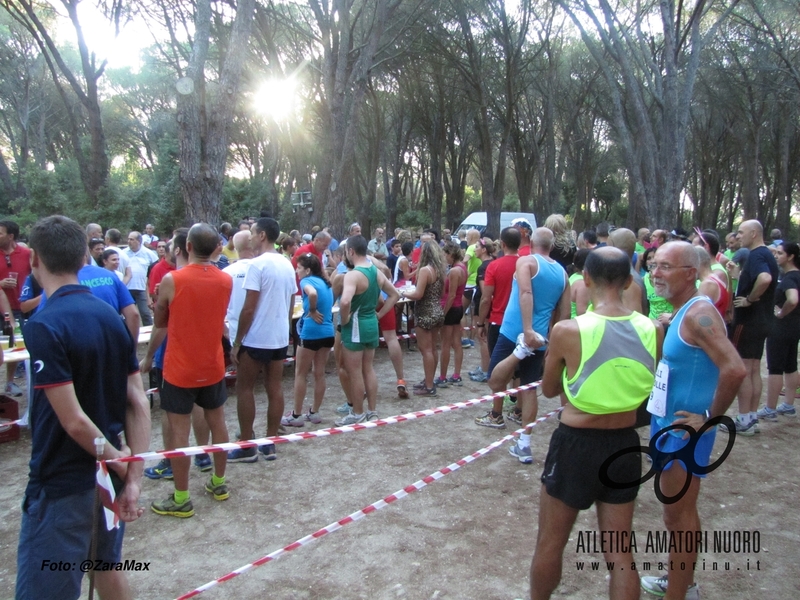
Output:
x=86 y=387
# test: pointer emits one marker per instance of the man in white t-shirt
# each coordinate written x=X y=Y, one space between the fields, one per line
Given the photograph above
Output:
x=149 y=238
x=139 y=261
x=262 y=336
x=238 y=271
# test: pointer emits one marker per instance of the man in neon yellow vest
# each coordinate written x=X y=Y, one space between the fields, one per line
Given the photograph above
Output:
x=602 y=364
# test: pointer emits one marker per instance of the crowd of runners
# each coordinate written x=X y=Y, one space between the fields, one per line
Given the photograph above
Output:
x=658 y=328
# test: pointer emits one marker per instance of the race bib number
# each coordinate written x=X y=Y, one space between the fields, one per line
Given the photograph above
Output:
x=657 y=404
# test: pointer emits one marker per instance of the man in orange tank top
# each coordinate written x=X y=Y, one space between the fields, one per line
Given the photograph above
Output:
x=191 y=308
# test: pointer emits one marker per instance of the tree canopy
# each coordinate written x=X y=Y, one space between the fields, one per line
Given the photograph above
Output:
x=405 y=112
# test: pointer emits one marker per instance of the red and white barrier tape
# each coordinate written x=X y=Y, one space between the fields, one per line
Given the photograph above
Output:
x=358 y=515
x=306 y=435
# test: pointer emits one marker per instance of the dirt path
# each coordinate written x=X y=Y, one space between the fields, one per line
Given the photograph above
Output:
x=470 y=535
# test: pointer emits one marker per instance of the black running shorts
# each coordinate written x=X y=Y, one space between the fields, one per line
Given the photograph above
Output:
x=572 y=467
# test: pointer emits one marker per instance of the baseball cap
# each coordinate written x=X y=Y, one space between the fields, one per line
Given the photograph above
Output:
x=523 y=223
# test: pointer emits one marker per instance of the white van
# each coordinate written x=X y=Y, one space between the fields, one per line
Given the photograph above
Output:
x=477 y=220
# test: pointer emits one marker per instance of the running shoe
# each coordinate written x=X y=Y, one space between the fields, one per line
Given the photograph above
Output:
x=455 y=380
x=291 y=421
x=743 y=429
x=476 y=371
x=268 y=452
x=440 y=382
x=402 y=391
x=372 y=415
x=169 y=507
x=421 y=385
x=522 y=350
x=787 y=410
x=220 y=491
x=524 y=455
x=488 y=420
x=313 y=417
x=480 y=376
x=467 y=343
x=658 y=587
x=243 y=455
x=203 y=462
x=509 y=402
x=514 y=416
x=344 y=408
x=351 y=419
x=767 y=413
x=423 y=391
x=163 y=470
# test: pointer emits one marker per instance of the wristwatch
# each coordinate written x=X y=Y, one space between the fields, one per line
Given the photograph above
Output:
x=480 y=325
x=706 y=415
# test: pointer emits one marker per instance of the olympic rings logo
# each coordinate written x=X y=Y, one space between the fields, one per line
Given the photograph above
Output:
x=661 y=459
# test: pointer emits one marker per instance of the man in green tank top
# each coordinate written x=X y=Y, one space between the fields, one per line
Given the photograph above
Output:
x=602 y=364
x=359 y=327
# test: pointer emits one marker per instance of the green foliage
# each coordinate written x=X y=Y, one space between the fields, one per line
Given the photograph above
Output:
x=472 y=200
x=415 y=219
x=242 y=198
x=53 y=192
x=511 y=203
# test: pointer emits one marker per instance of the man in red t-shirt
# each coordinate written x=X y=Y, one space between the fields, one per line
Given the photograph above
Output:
x=317 y=247
x=161 y=268
x=17 y=260
x=526 y=231
x=497 y=286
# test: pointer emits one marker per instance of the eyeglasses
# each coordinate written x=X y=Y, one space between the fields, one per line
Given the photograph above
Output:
x=666 y=268
x=96 y=241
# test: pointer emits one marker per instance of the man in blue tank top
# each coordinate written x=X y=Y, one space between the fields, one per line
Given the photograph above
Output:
x=699 y=375
x=539 y=298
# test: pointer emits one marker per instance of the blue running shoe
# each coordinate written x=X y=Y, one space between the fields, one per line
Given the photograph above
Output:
x=203 y=462
x=245 y=455
x=163 y=470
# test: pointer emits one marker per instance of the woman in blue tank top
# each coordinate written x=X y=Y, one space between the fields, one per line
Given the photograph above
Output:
x=316 y=339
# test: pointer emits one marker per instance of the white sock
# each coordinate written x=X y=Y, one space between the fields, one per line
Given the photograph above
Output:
x=744 y=418
x=753 y=417
x=524 y=440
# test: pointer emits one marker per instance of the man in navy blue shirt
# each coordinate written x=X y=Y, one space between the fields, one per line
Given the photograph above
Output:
x=86 y=386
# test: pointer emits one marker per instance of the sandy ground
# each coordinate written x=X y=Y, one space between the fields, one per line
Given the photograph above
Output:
x=470 y=535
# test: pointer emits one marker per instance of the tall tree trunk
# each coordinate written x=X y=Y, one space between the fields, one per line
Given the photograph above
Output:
x=204 y=118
